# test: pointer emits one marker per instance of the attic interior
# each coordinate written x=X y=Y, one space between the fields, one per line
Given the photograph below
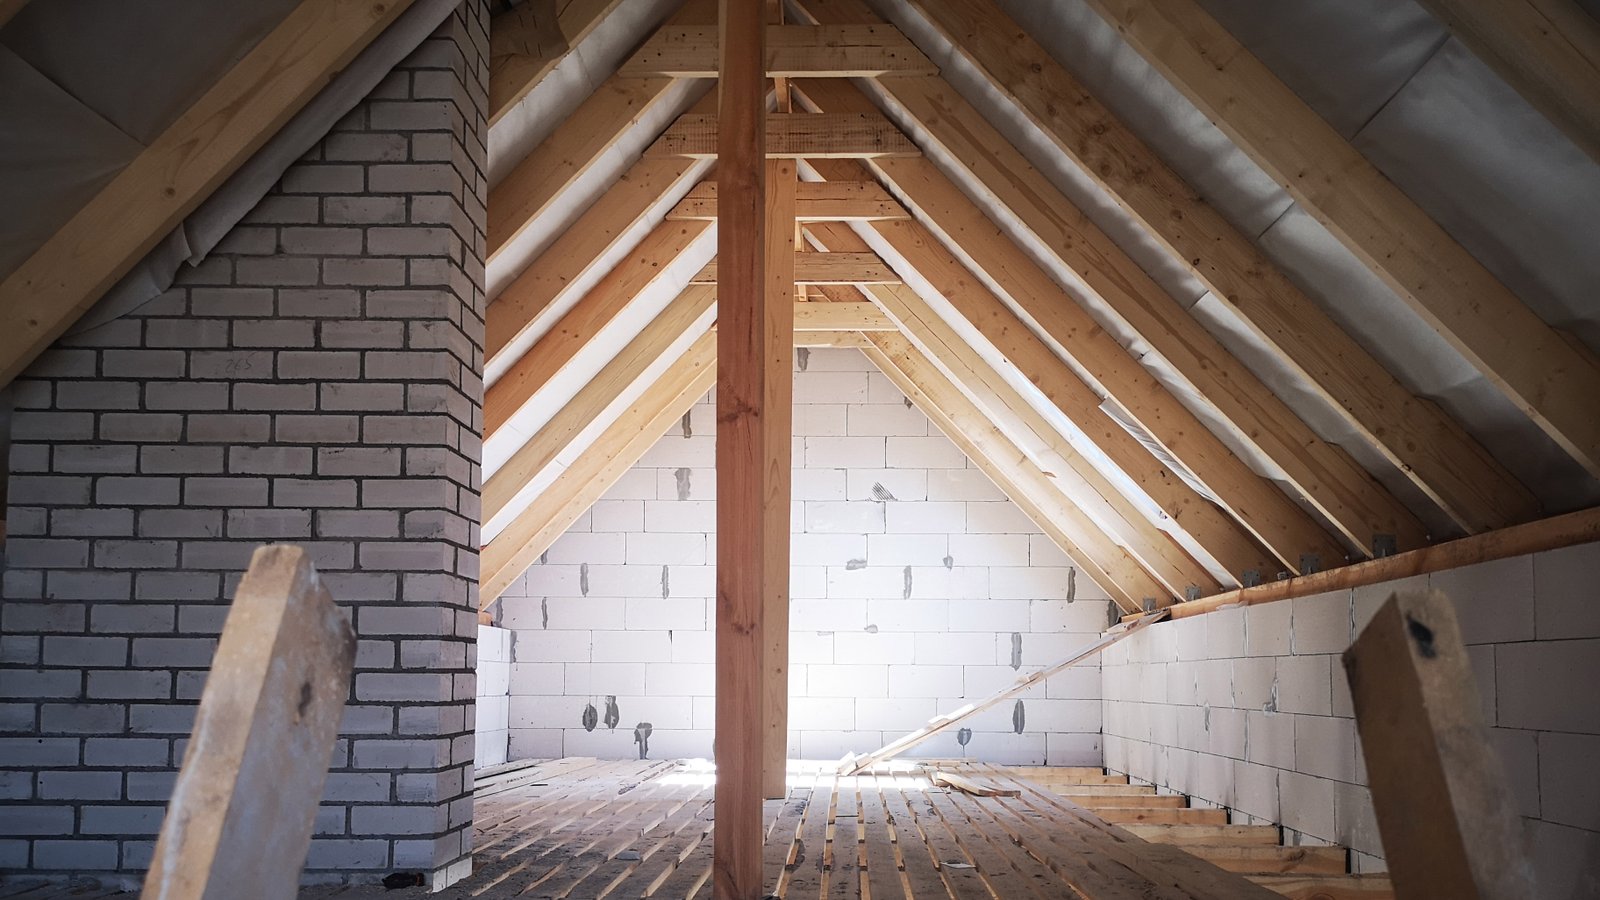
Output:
x=1114 y=448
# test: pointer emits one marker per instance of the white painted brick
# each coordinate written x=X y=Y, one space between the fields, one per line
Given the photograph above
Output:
x=857 y=680
x=933 y=452
x=887 y=484
x=907 y=549
x=893 y=648
x=961 y=484
x=925 y=518
x=886 y=419
x=845 y=518
x=844 y=452
x=660 y=549
x=666 y=614
x=997 y=518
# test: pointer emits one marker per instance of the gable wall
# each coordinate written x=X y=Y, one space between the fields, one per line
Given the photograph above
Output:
x=884 y=634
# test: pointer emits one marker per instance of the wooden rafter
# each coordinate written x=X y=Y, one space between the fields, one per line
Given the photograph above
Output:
x=529 y=189
x=527 y=40
x=9 y=8
x=1107 y=564
x=1418 y=438
x=1074 y=476
x=815 y=201
x=1216 y=530
x=598 y=308
x=179 y=169
x=825 y=268
x=1551 y=380
x=1345 y=493
x=593 y=399
x=794 y=135
x=793 y=51
x=613 y=453
x=1548 y=50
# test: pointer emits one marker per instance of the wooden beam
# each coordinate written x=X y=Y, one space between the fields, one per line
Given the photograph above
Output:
x=1449 y=824
x=1073 y=475
x=854 y=765
x=794 y=135
x=125 y=220
x=750 y=339
x=825 y=268
x=840 y=317
x=1213 y=528
x=242 y=810
x=527 y=40
x=590 y=403
x=930 y=390
x=1549 y=52
x=578 y=249
x=1580 y=527
x=530 y=188
x=613 y=453
x=793 y=51
x=1414 y=434
x=781 y=265
x=1551 y=380
x=851 y=340
x=598 y=308
x=815 y=201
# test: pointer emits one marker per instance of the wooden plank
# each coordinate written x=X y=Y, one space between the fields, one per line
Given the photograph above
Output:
x=179 y=169
x=527 y=40
x=245 y=801
x=976 y=788
x=751 y=338
x=1214 y=529
x=1328 y=887
x=1549 y=52
x=1580 y=527
x=1423 y=442
x=1449 y=824
x=815 y=201
x=838 y=339
x=824 y=268
x=594 y=398
x=1074 y=475
x=1264 y=860
x=1552 y=381
x=840 y=316
x=1207 y=835
x=917 y=823
x=1344 y=492
x=780 y=267
x=578 y=249
x=949 y=720
x=793 y=136
x=793 y=51
x=621 y=445
x=598 y=308
x=885 y=879
x=1256 y=501
x=1111 y=567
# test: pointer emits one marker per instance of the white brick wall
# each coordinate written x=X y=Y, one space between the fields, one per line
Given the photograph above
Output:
x=492 y=721
x=1249 y=708
x=911 y=576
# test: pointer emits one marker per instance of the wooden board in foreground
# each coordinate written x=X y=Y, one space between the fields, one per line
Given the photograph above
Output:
x=1448 y=823
x=239 y=823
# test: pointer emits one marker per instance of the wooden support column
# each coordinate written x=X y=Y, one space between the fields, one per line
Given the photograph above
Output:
x=1449 y=825
x=747 y=480
x=777 y=418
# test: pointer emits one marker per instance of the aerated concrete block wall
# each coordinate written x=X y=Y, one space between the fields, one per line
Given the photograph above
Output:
x=916 y=587
x=494 y=696
x=1249 y=708
x=314 y=380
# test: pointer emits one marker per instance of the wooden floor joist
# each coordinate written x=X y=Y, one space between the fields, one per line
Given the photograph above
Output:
x=794 y=135
x=815 y=201
x=1418 y=438
x=793 y=51
x=1551 y=380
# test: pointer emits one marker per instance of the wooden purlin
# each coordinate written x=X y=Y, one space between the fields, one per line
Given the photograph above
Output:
x=793 y=51
x=793 y=136
x=825 y=268
x=815 y=201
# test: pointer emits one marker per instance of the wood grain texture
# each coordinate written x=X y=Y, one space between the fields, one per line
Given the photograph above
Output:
x=777 y=421
x=527 y=40
x=245 y=800
x=1552 y=381
x=1414 y=434
x=793 y=136
x=824 y=268
x=815 y=201
x=1449 y=824
x=793 y=51
x=125 y=220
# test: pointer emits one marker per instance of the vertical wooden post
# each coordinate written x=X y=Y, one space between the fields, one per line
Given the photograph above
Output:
x=240 y=819
x=1449 y=827
x=778 y=416
x=745 y=485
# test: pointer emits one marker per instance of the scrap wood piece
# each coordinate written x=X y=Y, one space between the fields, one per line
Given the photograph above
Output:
x=242 y=810
x=1449 y=825
x=856 y=765
x=970 y=786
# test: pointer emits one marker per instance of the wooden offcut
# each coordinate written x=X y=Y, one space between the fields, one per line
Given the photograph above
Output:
x=240 y=819
x=1449 y=825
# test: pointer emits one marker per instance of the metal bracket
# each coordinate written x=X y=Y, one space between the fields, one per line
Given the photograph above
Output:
x=1384 y=545
x=1310 y=562
x=1250 y=577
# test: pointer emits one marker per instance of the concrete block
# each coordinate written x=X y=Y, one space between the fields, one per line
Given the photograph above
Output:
x=934 y=452
x=1326 y=747
x=672 y=516
x=658 y=549
x=1494 y=600
x=907 y=615
x=1030 y=583
x=1524 y=673
x=1567 y=593
x=1255 y=682
x=845 y=453
x=1267 y=629
x=631 y=646
x=819 y=420
x=988 y=549
x=854 y=680
x=830 y=387
x=1073 y=750
x=958 y=584
x=962 y=484
x=1255 y=790
x=818 y=484
x=617 y=516
x=811 y=647
x=1563 y=858
x=1569 y=794
x=673 y=614
x=669 y=679
x=1305 y=684
x=832 y=549
x=901 y=714
x=886 y=484
x=1308 y=804
x=1224 y=633
x=846 y=518
x=1269 y=739
x=553 y=646
x=883 y=419
x=892 y=648
x=992 y=616
x=926 y=680
x=985 y=517
x=834 y=615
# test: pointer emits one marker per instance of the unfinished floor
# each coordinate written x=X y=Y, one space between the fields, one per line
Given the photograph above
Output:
x=586 y=828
